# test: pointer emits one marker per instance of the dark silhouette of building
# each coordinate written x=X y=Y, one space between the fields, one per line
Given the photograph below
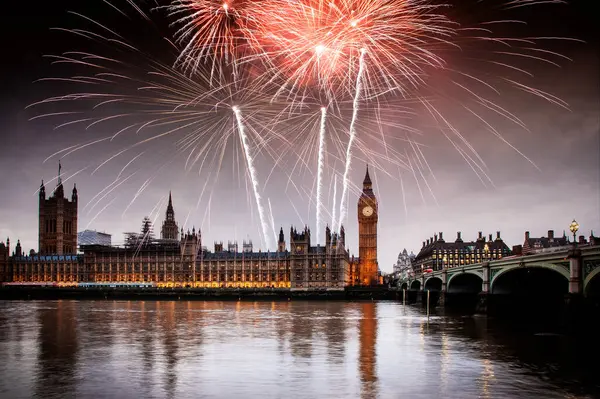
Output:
x=4 y=259
x=57 y=220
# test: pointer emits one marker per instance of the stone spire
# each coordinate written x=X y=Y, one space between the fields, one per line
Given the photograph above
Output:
x=59 y=191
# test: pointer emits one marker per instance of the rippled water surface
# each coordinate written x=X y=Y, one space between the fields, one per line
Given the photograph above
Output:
x=121 y=349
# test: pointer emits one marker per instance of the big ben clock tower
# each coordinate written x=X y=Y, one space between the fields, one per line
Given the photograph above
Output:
x=367 y=233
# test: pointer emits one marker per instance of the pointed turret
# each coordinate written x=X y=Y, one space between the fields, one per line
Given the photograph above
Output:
x=367 y=180
x=59 y=191
x=169 y=228
x=42 y=190
x=74 y=193
x=18 y=250
x=281 y=241
x=367 y=185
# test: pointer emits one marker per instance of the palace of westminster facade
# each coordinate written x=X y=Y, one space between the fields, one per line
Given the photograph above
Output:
x=178 y=259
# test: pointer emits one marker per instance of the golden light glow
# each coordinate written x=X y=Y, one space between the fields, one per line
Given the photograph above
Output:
x=574 y=227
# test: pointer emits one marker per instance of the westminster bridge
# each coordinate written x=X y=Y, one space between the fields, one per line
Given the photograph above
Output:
x=540 y=281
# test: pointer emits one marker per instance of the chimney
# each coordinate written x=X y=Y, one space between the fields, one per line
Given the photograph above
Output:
x=428 y=241
x=490 y=238
x=527 y=235
x=517 y=250
x=498 y=236
x=441 y=236
x=458 y=236
x=582 y=240
x=480 y=237
x=423 y=244
x=550 y=234
x=435 y=237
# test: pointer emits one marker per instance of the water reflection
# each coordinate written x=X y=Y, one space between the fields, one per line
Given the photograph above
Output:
x=319 y=350
x=302 y=330
x=58 y=348
x=170 y=344
x=367 y=332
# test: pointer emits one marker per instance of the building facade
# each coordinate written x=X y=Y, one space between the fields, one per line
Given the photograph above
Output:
x=534 y=245
x=403 y=266
x=436 y=253
x=57 y=221
x=46 y=268
x=368 y=215
x=186 y=263
x=179 y=259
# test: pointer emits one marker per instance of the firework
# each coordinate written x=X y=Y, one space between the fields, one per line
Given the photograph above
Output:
x=351 y=140
x=214 y=32
x=318 y=43
x=247 y=78
x=252 y=173
x=320 y=167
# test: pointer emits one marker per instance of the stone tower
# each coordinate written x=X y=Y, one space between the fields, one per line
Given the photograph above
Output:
x=281 y=241
x=169 y=230
x=367 y=233
x=57 y=220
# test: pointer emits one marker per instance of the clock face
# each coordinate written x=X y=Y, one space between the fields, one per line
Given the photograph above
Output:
x=367 y=211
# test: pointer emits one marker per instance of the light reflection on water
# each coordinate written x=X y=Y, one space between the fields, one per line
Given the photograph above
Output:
x=147 y=349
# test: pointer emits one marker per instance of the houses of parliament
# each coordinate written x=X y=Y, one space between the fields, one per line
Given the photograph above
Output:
x=178 y=258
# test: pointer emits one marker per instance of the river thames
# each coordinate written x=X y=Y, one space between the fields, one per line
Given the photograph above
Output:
x=129 y=349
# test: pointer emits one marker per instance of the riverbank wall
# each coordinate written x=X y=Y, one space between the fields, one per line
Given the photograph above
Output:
x=201 y=294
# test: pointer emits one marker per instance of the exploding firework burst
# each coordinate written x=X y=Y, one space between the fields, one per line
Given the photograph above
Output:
x=319 y=43
x=252 y=78
x=214 y=32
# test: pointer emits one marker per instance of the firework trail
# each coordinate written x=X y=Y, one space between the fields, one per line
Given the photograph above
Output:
x=321 y=165
x=356 y=103
x=333 y=208
x=253 y=177
x=272 y=220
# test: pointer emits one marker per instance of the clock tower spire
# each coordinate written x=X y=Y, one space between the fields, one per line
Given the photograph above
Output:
x=367 y=233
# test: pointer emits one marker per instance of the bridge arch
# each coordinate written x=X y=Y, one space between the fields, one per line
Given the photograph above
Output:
x=536 y=278
x=591 y=284
x=433 y=284
x=404 y=286
x=415 y=285
x=468 y=282
x=531 y=291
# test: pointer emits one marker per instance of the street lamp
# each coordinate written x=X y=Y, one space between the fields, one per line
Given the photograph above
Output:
x=444 y=259
x=574 y=227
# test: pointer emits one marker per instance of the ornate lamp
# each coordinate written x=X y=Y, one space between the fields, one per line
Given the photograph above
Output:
x=574 y=227
x=444 y=259
x=486 y=250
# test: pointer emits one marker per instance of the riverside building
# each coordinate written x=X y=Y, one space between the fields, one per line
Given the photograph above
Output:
x=179 y=259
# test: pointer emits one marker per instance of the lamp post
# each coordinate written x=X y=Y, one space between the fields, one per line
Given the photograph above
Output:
x=574 y=227
x=444 y=259
x=486 y=251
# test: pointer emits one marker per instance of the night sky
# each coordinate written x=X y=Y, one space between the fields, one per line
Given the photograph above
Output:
x=563 y=143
